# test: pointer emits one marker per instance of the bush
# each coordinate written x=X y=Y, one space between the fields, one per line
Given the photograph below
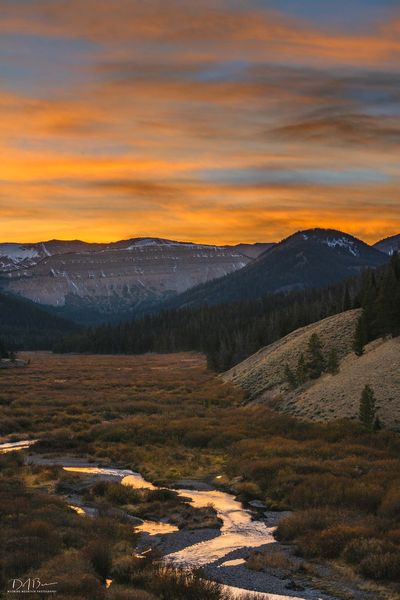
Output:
x=127 y=568
x=390 y=506
x=330 y=542
x=356 y=550
x=384 y=567
x=291 y=527
x=99 y=554
x=172 y=584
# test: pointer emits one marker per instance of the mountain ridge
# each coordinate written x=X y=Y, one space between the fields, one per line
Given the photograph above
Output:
x=389 y=245
x=113 y=280
x=310 y=258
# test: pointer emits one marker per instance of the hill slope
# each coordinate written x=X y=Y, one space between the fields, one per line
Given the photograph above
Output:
x=336 y=396
x=262 y=374
x=330 y=396
x=24 y=325
x=389 y=245
x=309 y=259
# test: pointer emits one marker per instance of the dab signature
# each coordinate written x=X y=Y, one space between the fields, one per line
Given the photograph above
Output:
x=31 y=585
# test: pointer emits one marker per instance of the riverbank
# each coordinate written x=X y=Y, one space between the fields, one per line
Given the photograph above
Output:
x=220 y=553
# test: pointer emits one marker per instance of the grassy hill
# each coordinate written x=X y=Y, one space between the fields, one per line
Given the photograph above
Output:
x=334 y=396
x=262 y=375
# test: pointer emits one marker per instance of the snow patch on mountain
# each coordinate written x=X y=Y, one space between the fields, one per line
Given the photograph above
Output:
x=16 y=252
x=342 y=242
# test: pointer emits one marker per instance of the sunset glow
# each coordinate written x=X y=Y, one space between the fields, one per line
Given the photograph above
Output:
x=220 y=121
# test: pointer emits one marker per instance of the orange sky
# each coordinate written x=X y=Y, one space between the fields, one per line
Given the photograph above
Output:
x=217 y=121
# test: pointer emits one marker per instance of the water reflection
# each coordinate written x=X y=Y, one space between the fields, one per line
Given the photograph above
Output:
x=14 y=446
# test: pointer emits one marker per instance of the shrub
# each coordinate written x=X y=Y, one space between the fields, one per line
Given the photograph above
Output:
x=173 y=584
x=294 y=525
x=127 y=568
x=383 y=567
x=99 y=554
x=329 y=543
x=390 y=506
x=161 y=495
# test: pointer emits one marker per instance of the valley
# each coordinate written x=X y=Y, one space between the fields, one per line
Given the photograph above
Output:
x=170 y=419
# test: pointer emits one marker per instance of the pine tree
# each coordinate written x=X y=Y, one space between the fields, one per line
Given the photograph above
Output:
x=290 y=377
x=347 y=305
x=332 y=365
x=367 y=407
x=377 y=424
x=360 y=336
x=3 y=350
x=301 y=371
x=315 y=360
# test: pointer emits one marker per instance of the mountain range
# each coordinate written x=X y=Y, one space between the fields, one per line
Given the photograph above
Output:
x=307 y=259
x=94 y=282
x=89 y=281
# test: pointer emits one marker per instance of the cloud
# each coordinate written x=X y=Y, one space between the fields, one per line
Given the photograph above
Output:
x=213 y=120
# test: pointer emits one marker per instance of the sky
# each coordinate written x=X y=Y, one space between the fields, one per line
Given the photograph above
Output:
x=216 y=121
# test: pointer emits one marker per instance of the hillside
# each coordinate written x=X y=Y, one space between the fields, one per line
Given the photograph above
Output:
x=314 y=258
x=98 y=282
x=24 y=325
x=330 y=396
x=262 y=374
x=389 y=245
x=335 y=396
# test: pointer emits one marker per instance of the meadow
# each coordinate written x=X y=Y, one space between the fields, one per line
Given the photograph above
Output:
x=168 y=417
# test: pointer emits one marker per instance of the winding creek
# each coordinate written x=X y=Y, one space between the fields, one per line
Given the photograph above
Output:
x=222 y=556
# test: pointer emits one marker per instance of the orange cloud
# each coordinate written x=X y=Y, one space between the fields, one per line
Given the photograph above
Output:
x=195 y=121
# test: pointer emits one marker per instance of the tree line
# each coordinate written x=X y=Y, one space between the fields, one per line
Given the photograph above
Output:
x=26 y=326
x=229 y=333
x=226 y=333
x=380 y=302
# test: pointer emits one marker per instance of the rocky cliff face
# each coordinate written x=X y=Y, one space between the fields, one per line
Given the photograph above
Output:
x=112 y=278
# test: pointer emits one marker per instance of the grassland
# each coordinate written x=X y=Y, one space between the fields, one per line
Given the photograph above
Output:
x=168 y=417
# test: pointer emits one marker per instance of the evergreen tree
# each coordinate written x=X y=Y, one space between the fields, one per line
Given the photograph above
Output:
x=360 y=336
x=301 y=371
x=347 y=304
x=377 y=424
x=3 y=350
x=315 y=362
x=332 y=365
x=290 y=377
x=367 y=409
x=388 y=301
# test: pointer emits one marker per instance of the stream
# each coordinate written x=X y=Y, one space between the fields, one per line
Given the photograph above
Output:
x=239 y=532
x=223 y=556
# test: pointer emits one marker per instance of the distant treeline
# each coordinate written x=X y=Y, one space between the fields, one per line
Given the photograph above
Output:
x=380 y=301
x=25 y=325
x=226 y=333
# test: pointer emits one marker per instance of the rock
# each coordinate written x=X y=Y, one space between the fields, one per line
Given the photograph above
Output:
x=192 y=484
x=7 y=363
x=257 y=504
x=295 y=587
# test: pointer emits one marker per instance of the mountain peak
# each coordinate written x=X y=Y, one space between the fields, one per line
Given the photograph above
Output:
x=332 y=238
x=389 y=245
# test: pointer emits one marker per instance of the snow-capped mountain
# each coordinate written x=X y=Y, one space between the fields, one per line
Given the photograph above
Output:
x=112 y=279
x=389 y=245
x=307 y=259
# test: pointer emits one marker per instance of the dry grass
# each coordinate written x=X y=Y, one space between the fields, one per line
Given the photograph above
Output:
x=338 y=396
x=169 y=418
x=263 y=373
x=331 y=396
